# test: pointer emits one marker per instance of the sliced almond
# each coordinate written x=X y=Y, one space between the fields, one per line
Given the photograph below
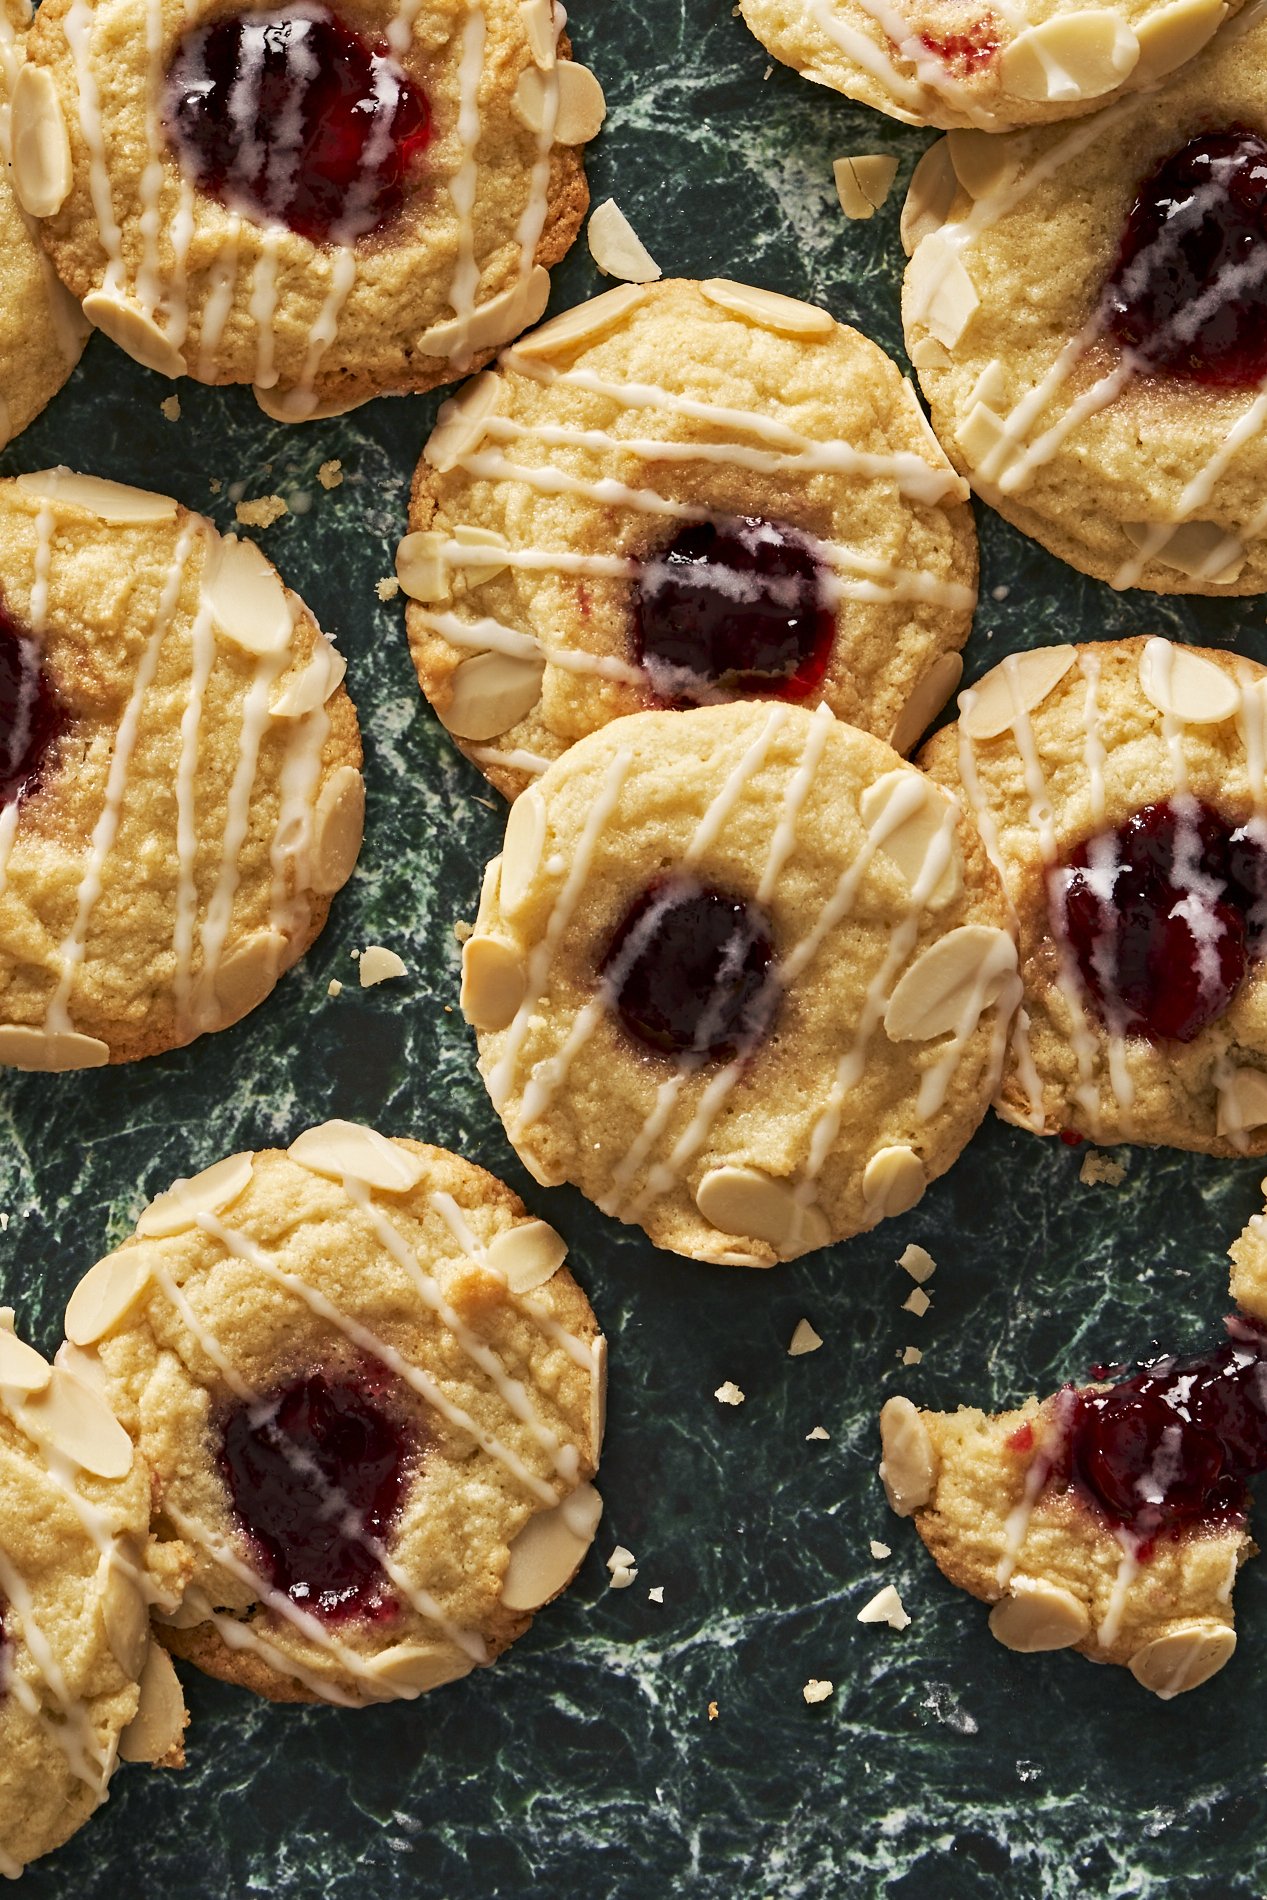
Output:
x=908 y=1466
x=70 y=1418
x=988 y=447
x=863 y=183
x=1200 y=549
x=210 y=1192
x=22 y=1369
x=378 y=964
x=1011 y=690
x=40 y=143
x=421 y=567
x=786 y=316
x=752 y=1204
x=156 y=1733
x=956 y=488
x=522 y=849
x=135 y=333
x=494 y=980
x=581 y=325
x=491 y=323
x=1242 y=1102
x=923 y=821
x=302 y=405
x=927 y=354
x=940 y=294
x=580 y=109
x=479 y=571
x=490 y=884
x=1183 y=1658
x=1079 y=55
x=804 y=1339
x=302 y=692
x=108 y=1293
x=950 y=985
x=542 y=29
x=893 y=1181
x=337 y=1148
x=1037 y=1615
x=51 y=1051
x=249 y=974
x=1172 y=35
x=124 y=1612
x=460 y=423
x=410 y=1669
x=246 y=597
x=527 y=1255
x=616 y=247
x=926 y=701
x=338 y=826
x=1186 y=686
x=109 y=501
x=982 y=162
x=491 y=693
x=549 y=1550
x=929 y=196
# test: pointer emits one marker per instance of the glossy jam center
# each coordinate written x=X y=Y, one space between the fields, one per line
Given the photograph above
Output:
x=1176 y=1445
x=291 y=117
x=730 y=608
x=31 y=719
x=1189 y=291
x=1164 y=916
x=965 y=52
x=317 y=1473
x=690 y=971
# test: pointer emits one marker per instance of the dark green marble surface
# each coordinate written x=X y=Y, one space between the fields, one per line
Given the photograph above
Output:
x=585 y=1764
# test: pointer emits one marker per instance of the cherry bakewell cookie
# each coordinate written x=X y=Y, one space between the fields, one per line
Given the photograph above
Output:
x=742 y=976
x=1121 y=790
x=678 y=494
x=328 y=202
x=42 y=330
x=970 y=64
x=371 y=1399
x=1086 y=310
x=1109 y=1518
x=80 y=1683
x=180 y=791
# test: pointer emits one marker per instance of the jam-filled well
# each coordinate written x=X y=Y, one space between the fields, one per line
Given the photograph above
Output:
x=1164 y=916
x=291 y=117
x=317 y=1472
x=31 y=716
x=730 y=608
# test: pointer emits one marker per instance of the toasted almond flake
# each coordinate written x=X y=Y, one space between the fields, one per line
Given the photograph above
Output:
x=22 y=1369
x=816 y=1691
x=917 y=1302
x=1015 y=687
x=210 y=1192
x=1079 y=55
x=522 y=850
x=921 y=831
x=819 y=1432
x=106 y=1295
x=1172 y=35
x=1183 y=1658
x=74 y=1420
x=330 y=474
x=911 y=1356
x=787 y=316
x=1186 y=685
x=908 y=1467
x=339 y=1148
x=247 y=597
x=893 y=1181
x=621 y=1558
x=982 y=161
x=940 y=294
x=616 y=247
x=879 y=1550
x=929 y=196
x=918 y=1262
x=542 y=30
x=550 y=1548
x=494 y=982
x=157 y=1730
x=110 y=501
x=622 y=1576
x=338 y=825
x=803 y=1340
x=380 y=965
x=951 y=984
x=885 y=1607
x=134 y=331
x=729 y=1394
x=580 y=325
x=490 y=324
x=927 y=698
x=39 y=143
x=50 y=1051
x=1037 y=1615
x=491 y=693
x=408 y=1670
x=527 y=1255
x=581 y=107
x=460 y=423
x=863 y=183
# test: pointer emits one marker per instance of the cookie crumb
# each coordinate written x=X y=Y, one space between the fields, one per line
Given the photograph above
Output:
x=388 y=588
x=918 y=1303
x=262 y=513
x=729 y=1394
x=818 y=1432
x=1100 y=1169
x=766 y=74
x=816 y=1691
x=918 y=1262
x=1001 y=592
x=334 y=987
x=803 y=1340
x=885 y=1607
x=656 y=1595
x=330 y=474
x=623 y=1568
x=170 y=407
x=463 y=931
x=911 y=1356
x=864 y=182
x=712 y=1711
x=215 y=484
x=379 y=965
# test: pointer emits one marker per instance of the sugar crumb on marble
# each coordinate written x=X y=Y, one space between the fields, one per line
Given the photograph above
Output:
x=261 y=513
x=911 y=1355
x=170 y=407
x=816 y=1691
x=379 y=965
x=917 y=1302
x=330 y=474
x=885 y=1607
x=729 y=1394
x=387 y=588
x=1099 y=1169
x=918 y=1262
x=879 y=1550
x=819 y=1432
x=804 y=1339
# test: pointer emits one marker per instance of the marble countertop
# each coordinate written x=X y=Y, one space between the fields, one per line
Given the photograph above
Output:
x=586 y=1763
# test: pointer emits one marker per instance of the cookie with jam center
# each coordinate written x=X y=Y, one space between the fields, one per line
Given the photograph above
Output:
x=742 y=976
x=682 y=494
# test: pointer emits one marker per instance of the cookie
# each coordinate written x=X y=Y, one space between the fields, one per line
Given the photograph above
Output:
x=1121 y=790
x=1110 y=1519
x=1086 y=310
x=742 y=976
x=677 y=494
x=327 y=206
x=80 y=1685
x=180 y=793
x=42 y=330
x=369 y=1324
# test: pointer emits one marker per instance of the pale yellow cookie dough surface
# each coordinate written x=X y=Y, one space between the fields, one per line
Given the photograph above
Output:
x=825 y=1118
x=179 y=849
x=1013 y=256
x=1097 y=728
x=594 y=455
x=380 y=1273
x=316 y=336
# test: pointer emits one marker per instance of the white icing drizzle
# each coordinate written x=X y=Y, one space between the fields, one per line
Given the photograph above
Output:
x=77 y=26
x=1016 y=1524
x=263 y=305
x=464 y=286
x=516 y=760
x=203 y=654
x=1110 y=1624
x=72 y=1732
x=588 y=1357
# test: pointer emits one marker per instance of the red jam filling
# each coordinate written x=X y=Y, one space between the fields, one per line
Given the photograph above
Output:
x=290 y=117
x=317 y=1472
x=1173 y=1448
x=730 y=609
x=965 y=52
x=31 y=718
x=1164 y=916
x=690 y=971
x=1188 y=294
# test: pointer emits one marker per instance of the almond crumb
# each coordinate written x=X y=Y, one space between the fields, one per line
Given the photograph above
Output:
x=387 y=589
x=818 y=1432
x=334 y=987
x=170 y=407
x=656 y=1595
x=912 y=1356
x=918 y=1262
x=816 y=1691
x=330 y=474
x=379 y=965
x=885 y=1607
x=623 y=1568
x=1100 y=1169
x=463 y=931
x=917 y=1303
x=712 y=1711
x=803 y=1340
x=262 y=513
x=729 y=1394
x=879 y=1550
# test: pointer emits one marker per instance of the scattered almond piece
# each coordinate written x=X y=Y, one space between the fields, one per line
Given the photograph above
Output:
x=729 y=1394
x=387 y=589
x=816 y=1691
x=803 y=1340
x=379 y=965
x=712 y=1711
x=334 y=987
x=879 y=1550
x=885 y=1607
x=919 y=1263
x=463 y=931
x=262 y=513
x=917 y=1303
x=1097 y=1168
x=616 y=247
x=170 y=407
x=818 y=1432
x=863 y=183
x=330 y=474
x=623 y=1568
x=656 y=1595
x=911 y=1356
